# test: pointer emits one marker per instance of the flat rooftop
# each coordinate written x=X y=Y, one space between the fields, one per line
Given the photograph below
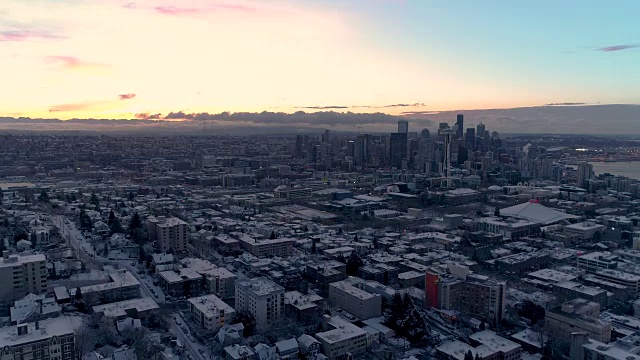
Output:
x=49 y=328
x=119 y=309
x=352 y=290
x=551 y=275
x=494 y=341
x=210 y=305
x=14 y=260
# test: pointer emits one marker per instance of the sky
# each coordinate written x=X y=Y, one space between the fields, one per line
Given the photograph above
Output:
x=125 y=59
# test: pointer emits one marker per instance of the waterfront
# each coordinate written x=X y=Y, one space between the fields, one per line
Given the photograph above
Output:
x=622 y=168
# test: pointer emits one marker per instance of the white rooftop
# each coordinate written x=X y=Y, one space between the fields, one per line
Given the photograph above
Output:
x=533 y=211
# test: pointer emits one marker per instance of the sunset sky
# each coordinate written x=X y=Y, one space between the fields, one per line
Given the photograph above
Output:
x=114 y=59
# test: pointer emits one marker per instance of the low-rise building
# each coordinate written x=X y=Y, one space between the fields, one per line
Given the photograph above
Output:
x=209 y=312
x=123 y=286
x=33 y=308
x=503 y=349
x=345 y=338
x=595 y=261
x=134 y=308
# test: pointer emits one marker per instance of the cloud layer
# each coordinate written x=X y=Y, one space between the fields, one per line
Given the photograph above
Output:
x=618 y=47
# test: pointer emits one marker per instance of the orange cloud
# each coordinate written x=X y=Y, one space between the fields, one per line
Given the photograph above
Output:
x=91 y=105
x=73 y=63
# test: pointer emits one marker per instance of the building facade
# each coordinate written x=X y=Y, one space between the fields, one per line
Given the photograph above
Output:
x=261 y=297
x=357 y=302
x=209 y=312
x=21 y=275
x=50 y=339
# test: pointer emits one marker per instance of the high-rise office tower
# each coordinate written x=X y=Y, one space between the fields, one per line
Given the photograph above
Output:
x=403 y=126
x=460 y=125
x=480 y=129
x=397 y=149
x=471 y=138
x=325 y=136
x=425 y=134
x=585 y=172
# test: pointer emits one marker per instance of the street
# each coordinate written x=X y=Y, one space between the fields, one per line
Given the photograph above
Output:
x=77 y=241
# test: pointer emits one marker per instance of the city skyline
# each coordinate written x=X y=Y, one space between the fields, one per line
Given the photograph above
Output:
x=404 y=58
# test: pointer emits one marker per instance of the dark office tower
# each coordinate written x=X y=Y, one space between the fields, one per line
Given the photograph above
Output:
x=325 y=136
x=299 y=146
x=460 y=125
x=480 y=130
x=471 y=139
x=312 y=154
x=425 y=134
x=351 y=148
x=397 y=149
x=463 y=154
x=361 y=153
x=403 y=126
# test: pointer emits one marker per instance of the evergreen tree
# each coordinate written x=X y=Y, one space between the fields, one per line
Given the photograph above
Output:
x=314 y=248
x=112 y=217
x=468 y=355
x=376 y=245
x=273 y=235
x=106 y=248
x=94 y=199
x=406 y=302
x=135 y=222
x=78 y=295
x=131 y=196
x=355 y=238
x=482 y=326
x=44 y=196
x=496 y=212
x=353 y=264
x=116 y=227
x=396 y=311
x=339 y=231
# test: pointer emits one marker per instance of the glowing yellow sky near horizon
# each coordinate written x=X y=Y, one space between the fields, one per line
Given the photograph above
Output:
x=210 y=57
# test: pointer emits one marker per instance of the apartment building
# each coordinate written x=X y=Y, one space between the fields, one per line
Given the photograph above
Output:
x=357 y=302
x=50 y=339
x=170 y=233
x=344 y=338
x=219 y=281
x=209 y=312
x=21 y=275
x=263 y=298
x=282 y=247
x=476 y=294
x=577 y=315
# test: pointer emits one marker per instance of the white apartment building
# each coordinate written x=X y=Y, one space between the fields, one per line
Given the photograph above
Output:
x=209 y=312
x=357 y=302
x=344 y=338
x=21 y=275
x=171 y=233
x=50 y=339
x=263 y=298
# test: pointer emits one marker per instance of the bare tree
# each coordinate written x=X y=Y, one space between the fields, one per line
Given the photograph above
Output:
x=85 y=342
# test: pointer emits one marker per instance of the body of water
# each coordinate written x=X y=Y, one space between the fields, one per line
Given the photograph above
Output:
x=621 y=168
